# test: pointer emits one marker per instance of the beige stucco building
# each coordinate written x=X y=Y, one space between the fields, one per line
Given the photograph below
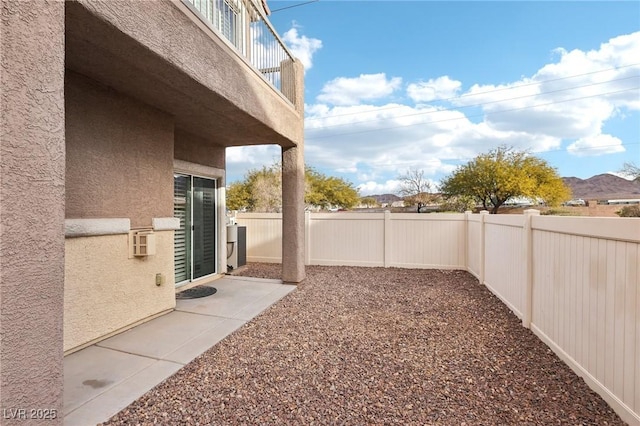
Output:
x=115 y=120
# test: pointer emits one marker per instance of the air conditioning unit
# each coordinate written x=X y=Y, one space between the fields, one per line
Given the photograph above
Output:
x=236 y=246
x=143 y=243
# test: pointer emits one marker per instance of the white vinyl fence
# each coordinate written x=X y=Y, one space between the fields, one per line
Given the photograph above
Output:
x=585 y=302
x=574 y=281
x=364 y=239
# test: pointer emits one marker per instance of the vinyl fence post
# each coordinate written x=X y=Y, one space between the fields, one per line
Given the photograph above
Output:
x=467 y=214
x=307 y=238
x=527 y=258
x=483 y=216
x=387 y=239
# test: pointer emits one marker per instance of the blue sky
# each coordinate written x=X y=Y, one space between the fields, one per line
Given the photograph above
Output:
x=398 y=85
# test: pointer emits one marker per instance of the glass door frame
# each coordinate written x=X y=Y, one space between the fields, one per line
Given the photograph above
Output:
x=216 y=229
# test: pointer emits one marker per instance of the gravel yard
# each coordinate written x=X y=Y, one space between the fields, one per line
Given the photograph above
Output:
x=375 y=346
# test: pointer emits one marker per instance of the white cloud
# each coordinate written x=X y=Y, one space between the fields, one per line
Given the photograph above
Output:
x=571 y=98
x=373 y=188
x=346 y=134
x=378 y=141
x=596 y=145
x=623 y=176
x=439 y=88
x=301 y=46
x=241 y=159
x=352 y=91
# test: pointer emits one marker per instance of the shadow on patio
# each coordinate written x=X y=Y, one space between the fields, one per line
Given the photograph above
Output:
x=372 y=346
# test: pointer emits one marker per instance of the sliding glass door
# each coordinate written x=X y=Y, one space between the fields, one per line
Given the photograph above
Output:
x=204 y=227
x=195 y=241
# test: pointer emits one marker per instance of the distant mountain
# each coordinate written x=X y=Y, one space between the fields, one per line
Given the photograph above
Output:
x=603 y=187
x=385 y=198
x=599 y=187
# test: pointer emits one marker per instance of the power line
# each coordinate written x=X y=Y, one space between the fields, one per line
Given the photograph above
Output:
x=295 y=5
x=492 y=91
x=470 y=116
x=540 y=153
x=469 y=106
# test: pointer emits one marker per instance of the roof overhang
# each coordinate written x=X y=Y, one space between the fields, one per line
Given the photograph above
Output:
x=157 y=53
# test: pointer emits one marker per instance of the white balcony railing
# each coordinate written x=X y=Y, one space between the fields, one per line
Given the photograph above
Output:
x=245 y=25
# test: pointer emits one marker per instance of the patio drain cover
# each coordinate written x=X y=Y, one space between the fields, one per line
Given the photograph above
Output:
x=196 y=292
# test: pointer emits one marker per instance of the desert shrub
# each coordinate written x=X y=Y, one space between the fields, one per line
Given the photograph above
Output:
x=458 y=204
x=559 y=212
x=629 y=211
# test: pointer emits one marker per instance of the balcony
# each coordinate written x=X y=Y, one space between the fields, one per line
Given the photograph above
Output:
x=260 y=44
x=217 y=67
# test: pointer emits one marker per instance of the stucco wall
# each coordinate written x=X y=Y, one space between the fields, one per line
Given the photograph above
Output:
x=106 y=291
x=119 y=155
x=189 y=147
x=161 y=53
x=31 y=207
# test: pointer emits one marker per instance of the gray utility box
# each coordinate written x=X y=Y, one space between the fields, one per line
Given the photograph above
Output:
x=236 y=246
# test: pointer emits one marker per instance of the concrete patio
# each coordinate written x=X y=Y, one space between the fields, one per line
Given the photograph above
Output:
x=104 y=378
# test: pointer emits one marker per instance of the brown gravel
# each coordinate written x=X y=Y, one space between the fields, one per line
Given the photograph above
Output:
x=375 y=346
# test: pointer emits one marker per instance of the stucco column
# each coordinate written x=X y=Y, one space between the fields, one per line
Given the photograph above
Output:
x=293 y=215
x=32 y=180
x=293 y=181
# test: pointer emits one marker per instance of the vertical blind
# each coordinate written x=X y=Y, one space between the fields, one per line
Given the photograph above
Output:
x=204 y=227
x=181 y=210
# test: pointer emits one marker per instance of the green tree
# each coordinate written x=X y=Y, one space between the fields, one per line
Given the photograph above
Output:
x=266 y=190
x=261 y=190
x=328 y=191
x=503 y=173
x=460 y=204
x=368 y=201
x=238 y=196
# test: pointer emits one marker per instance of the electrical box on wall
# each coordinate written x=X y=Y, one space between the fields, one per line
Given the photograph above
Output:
x=142 y=243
